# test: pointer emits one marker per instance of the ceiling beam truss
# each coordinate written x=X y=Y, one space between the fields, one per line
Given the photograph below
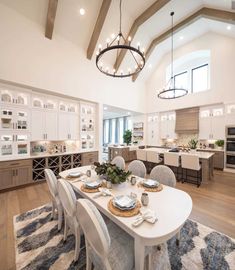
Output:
x=51 y=13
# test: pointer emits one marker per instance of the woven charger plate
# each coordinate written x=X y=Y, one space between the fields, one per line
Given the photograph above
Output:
x=89 y=190
x=157 y=189
x=126 y=213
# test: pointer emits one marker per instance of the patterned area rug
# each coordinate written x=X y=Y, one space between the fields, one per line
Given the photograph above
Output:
x=39 y=245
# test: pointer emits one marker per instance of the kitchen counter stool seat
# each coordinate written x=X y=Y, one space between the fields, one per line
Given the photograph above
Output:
x=191 y=163
x=172 y=160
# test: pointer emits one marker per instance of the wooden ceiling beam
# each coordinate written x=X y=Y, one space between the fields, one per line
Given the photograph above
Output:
x=51 y=13
x=98 y=27
x=149 y=12
x=209 y=13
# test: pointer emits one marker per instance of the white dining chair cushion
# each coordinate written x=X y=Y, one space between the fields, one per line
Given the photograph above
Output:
x=190 y=162
x=106 y=243
x=137 y=168
x=119 y=162
x=164 y=175
x=153 y=156
x=171 y=159
x=141 y=154
x=67 y=197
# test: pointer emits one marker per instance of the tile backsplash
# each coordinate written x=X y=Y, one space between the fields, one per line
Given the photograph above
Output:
x=52 y=147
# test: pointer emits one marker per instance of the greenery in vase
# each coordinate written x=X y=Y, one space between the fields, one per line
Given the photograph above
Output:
x=111 y=172
x=127 y=136
x=220 y=143
x=192 y=144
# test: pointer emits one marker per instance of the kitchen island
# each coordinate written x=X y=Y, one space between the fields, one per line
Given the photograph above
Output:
x=206 y=160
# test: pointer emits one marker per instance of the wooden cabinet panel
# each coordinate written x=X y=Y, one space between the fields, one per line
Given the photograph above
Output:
x=51 y=125
x=132 y=155
x=89 y=158
x=218 y=160
x=37 y=126
x=23 y=175
x=6 y=178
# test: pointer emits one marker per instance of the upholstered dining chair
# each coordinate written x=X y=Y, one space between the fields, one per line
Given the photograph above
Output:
x=164 y=175
x=56 y=203
x=68 y=200
x=137 y=168
x=119 y=162
x=108 y=247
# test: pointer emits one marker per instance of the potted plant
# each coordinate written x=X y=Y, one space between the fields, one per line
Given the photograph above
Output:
x=220 y=144
x=111 y=173
x=127 y=136
x=192 y=144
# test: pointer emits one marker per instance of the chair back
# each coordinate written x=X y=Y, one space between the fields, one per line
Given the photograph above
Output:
x=153 y=156
x=51 y=182
x=141 y=154
x=119 y=162
x=67 y=197
x=137 y=168
x=94 y=227
x=171 y=159
x=164 y=175
x=190 y=162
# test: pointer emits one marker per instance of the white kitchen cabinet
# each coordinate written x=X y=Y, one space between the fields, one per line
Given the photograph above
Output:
x=153 y=130
x=44 y=102
x=18 y=98
x=68 y=126
x=167 y=126
x=230 y=114
x=44 y=125
x=212 y=123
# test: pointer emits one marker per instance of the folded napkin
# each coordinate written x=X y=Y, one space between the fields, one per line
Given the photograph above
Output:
x=145 y=215
x=103 y=192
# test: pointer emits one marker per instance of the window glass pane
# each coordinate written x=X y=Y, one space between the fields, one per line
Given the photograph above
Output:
x=121 y=130
x=113 y=131
x=200 y=79
x=181 y=80
x=106 y=131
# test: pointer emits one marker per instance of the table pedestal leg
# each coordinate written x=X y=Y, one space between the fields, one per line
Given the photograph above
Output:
x=139 y=255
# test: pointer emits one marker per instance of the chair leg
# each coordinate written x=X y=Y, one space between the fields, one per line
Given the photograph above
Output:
x=65 y=228
x=178 y=239
x=88 y=260
x=53 y=211
x=60 y=216
x=77 y=243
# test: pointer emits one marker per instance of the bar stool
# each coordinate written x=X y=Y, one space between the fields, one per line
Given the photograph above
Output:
x=191 y=162
x=172 y=160
x=153 y=159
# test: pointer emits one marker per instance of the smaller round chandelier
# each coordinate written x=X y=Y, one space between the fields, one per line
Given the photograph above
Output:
x=115 y=46
x=171 y=91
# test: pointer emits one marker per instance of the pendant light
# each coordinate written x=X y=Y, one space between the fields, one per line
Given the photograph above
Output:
x=115 y=46
x=171 y=91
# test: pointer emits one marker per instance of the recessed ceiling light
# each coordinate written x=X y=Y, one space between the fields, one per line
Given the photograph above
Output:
x=181 y=37
x=229 y=27
x=105 y=108
x=82 y=11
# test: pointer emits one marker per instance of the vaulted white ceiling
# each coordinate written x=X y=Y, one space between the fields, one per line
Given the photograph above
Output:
x=78 y=29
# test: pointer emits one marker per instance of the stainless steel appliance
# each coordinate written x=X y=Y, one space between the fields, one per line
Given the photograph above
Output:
x=230 y=132
x=230 y=146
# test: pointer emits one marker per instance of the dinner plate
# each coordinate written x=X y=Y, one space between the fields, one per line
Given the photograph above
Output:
x=124 y=202
x=75 y=174
x=151 y=183
x=92 y=185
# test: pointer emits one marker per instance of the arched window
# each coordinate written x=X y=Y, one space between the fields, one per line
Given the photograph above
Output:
x=192 y=71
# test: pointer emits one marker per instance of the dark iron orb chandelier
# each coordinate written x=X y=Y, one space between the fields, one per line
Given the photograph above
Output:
x=171 y=91
x=116 y=45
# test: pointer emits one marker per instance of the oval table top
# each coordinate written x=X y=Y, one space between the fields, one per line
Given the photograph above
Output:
x=172 y=206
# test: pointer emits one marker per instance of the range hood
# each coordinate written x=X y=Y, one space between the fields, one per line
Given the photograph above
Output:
x=187 y=120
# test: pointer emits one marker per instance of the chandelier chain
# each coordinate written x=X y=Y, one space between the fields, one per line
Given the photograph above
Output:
x=120 y=15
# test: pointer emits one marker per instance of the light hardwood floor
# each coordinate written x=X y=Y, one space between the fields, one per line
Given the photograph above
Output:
x=213 y=205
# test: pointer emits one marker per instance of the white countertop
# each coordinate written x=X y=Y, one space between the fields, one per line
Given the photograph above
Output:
x=43 y=155
x=201 y=155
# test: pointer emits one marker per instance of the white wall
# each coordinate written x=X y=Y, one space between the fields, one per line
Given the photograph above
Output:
x=58 y=65
x=222 y=75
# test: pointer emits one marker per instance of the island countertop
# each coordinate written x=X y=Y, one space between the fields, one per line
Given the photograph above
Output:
x=201 y=155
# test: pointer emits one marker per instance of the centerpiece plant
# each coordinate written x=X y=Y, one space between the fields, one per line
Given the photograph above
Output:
x=193 y=143
x=220 y=143
x=127 y=136
x=111 y=172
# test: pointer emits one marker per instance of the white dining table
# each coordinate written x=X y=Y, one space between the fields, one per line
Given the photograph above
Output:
x=172 y=207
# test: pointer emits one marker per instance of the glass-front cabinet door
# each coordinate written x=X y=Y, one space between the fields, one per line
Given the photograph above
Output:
x=21 y=145
x=14 y=119
x=6 y=145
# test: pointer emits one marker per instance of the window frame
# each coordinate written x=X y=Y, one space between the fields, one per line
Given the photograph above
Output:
x=178 y=74
x=207 y=64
